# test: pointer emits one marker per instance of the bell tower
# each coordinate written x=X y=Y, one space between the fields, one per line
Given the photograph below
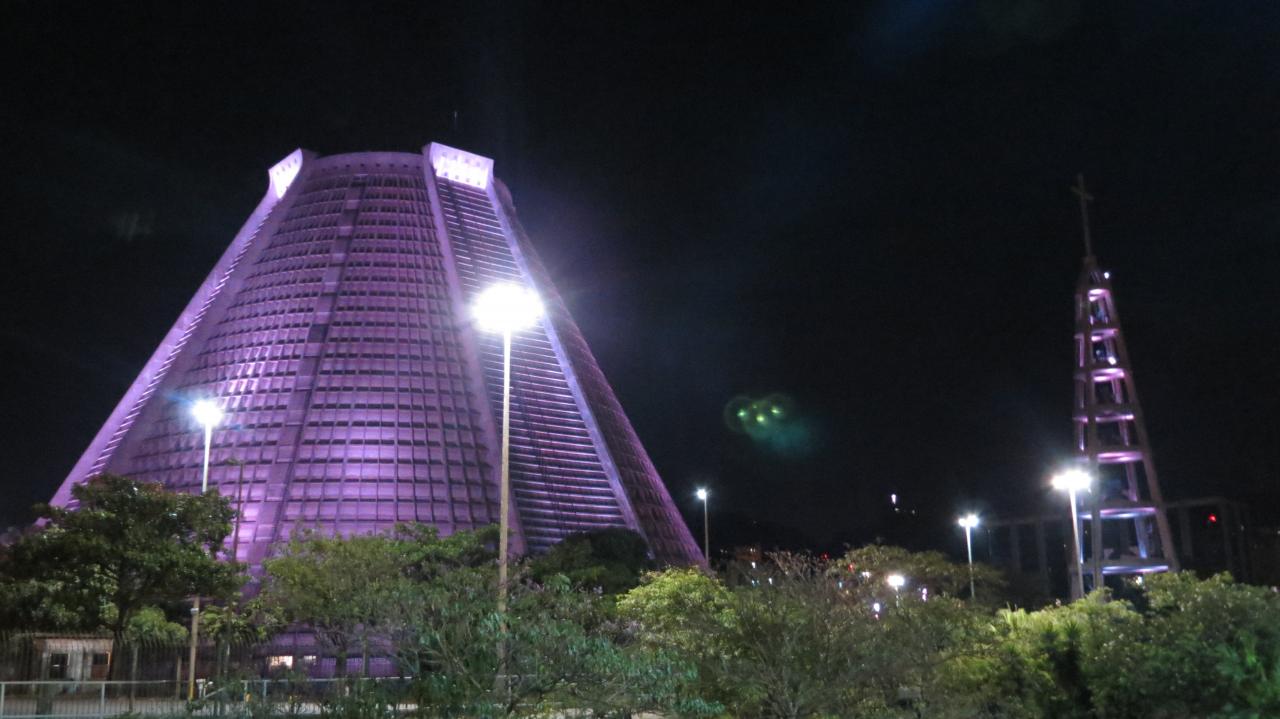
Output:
x=1124 y=513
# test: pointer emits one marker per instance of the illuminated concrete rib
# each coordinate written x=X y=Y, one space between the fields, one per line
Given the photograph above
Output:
x=1111 y=438
x=335 y=332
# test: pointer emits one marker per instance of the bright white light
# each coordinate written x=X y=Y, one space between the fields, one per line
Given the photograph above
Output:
x=893 y=499
x=969 y=521
x=459 y=166
x=1112 y=360
x=1106 y=275
x=924 y=594
x=866 y=575
x=875 y=607
x=507 y=308
x=1072 y=480
x=703 y=494
x=896 y=581
x=284 y=173
x=207 y=413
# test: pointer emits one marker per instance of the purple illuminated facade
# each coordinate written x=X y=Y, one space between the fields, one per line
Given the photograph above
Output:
x=335 y=333
x=1127 y=526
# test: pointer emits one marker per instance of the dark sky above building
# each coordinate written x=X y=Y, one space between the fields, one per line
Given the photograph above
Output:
x=864 y=209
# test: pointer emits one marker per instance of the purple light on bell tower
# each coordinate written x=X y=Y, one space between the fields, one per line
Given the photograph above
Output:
x=335 y=334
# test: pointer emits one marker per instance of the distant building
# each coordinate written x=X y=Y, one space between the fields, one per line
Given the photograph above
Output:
x=1212 y=535
x=52 y=657
x=335 y=334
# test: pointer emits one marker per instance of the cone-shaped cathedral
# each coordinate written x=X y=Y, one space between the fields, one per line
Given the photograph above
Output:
x=336 y=337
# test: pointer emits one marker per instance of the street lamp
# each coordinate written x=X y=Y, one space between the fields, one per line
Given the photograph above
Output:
x=505 y=308
x=702 y=494
x=1072 y=481
x=969 y=521
x=207 y=413
x=896 y=581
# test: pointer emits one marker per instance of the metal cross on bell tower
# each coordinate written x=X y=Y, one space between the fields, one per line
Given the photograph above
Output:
x=1124 y=512
x=1085 y=199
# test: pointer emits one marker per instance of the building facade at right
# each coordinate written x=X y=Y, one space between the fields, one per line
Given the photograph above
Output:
x=1210 y=534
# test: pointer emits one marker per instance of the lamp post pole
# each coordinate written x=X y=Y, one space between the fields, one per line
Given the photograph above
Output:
x=204 y=472
x=1075 y=545
x=968 y=541
x=703 y=494
x=207 y=414
x=1072 y=481
x=504 y=500
x=505 y=308
x=969 y=521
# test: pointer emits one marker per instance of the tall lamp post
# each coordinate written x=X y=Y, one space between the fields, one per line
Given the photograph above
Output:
x=702 y=494
x=969 y=521
x=507 y=309
x=235 y=538
x=207 y=413
x=1073 y=481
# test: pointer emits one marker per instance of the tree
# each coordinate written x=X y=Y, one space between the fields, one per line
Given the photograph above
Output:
x=128 y=545
x=796 y=637
x=685 y=610
x=1202 y=648
x=351 y=591
x=432 y=600
x=607 y=560
x=871 y=564
x=233 y=624
x=562 y=653
x=149 y=626
x=785 y=644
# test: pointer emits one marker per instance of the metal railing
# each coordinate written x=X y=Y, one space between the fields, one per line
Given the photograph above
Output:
x=90 y=699
x=50 y=699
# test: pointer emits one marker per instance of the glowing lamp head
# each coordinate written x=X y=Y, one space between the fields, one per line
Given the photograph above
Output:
x=969 y=521
x=1072 y=480
x=703 y=494
x=896 y=581
x=206 y=412
x=507 y=308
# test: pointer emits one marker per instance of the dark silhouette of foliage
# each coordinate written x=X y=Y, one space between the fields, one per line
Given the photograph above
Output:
x=607 y=560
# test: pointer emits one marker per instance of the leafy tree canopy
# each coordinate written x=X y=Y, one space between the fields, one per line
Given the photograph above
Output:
x=351 y=590
x=872 y=564
x=127 y=545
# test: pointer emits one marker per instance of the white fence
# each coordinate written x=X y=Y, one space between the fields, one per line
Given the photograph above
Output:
x=93 y=699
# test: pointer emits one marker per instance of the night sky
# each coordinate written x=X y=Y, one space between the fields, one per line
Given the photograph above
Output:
x=865 y=210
